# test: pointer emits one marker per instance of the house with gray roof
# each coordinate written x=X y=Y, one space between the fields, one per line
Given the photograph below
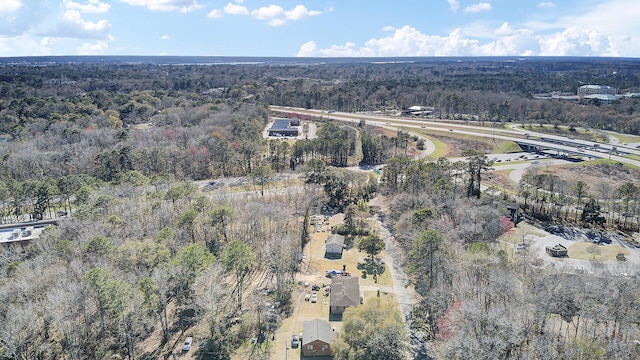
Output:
x=334 y=245
x=317 y=336
x=345 y=292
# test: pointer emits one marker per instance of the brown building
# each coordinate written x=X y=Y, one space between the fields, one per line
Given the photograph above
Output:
x=317 y=336
x=345 y=292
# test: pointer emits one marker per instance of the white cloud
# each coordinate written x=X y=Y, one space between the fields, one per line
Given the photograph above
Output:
x=508 y=41
x=10 y=5
x=406 y=41
x=388 y=28
x=164 y=37
x=73 y=26
x=475 y=8
x=454 y=5
x=235 y=9
x=504 y=30
x=22 y=45
x=166 y=5
x=575 y=41
x=546 y=4
x=617 y=19
x=97 y=48
x=47 y=41
x=276 y=15
x=214 y=14
x=91 y=6
x=308 y=49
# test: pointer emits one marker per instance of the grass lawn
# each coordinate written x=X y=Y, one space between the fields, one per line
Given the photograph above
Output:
x=591 y=251
x=625 y=138
x=508 y=147
x=442 y=149
x=633 y=157
x=562 y=130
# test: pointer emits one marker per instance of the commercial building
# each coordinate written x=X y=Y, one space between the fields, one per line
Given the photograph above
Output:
x=585 y=90
x=284 y=127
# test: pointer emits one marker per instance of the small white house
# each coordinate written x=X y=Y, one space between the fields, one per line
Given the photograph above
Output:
x=334 y=245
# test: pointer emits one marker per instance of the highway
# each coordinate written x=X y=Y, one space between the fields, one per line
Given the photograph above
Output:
x=549 y=141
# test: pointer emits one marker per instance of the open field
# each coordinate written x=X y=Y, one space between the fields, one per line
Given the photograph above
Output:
x=595 y=173
x=458 y=144
x=590 y=251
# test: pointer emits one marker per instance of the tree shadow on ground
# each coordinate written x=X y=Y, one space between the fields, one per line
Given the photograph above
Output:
x=375 y=267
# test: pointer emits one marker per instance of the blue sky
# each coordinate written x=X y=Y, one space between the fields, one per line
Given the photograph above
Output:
x=320 y=28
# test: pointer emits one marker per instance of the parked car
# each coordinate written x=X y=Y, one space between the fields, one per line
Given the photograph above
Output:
x=314 y=298
x=187 y=344
x=295 y=341
x=331 y=273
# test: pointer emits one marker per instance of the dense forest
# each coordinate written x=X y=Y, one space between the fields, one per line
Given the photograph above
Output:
x=140 y=253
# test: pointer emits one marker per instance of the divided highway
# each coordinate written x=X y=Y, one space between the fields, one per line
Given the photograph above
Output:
x=549 y=141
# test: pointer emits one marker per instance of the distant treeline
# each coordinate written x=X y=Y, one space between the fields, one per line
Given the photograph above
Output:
x=492 y=89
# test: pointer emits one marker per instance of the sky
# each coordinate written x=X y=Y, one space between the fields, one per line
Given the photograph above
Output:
x=319 y=28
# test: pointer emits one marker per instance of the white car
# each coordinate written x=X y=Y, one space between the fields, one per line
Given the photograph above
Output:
x=187 y=344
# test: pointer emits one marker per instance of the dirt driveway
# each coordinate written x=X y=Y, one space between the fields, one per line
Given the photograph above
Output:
x=313 y=272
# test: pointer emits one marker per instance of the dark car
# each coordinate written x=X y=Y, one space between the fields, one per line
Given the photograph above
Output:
x=601 y=240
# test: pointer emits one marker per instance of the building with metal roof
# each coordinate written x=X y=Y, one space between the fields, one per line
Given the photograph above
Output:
x=596 y=89
x=601 y=98
x=282 y=127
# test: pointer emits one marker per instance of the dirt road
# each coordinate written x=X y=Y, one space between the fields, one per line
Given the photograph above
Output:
x=405 y=294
